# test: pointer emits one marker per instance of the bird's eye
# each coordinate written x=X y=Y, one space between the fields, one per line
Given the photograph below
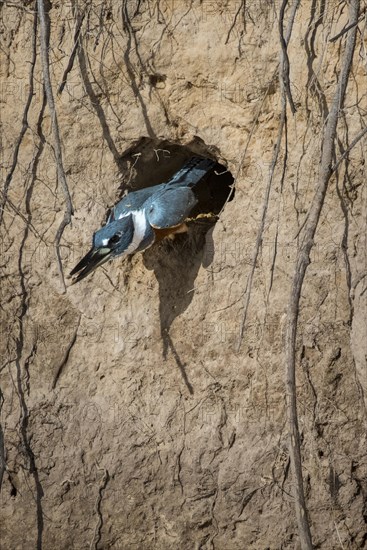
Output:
x=114 y=239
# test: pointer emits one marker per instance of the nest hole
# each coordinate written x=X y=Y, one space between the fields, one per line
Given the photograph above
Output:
x=150 y=162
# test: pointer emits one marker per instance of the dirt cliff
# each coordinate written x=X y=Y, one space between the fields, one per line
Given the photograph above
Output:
x=146 y=407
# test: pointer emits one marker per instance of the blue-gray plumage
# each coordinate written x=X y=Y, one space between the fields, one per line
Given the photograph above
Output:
x=188 y=176
x=145 y=216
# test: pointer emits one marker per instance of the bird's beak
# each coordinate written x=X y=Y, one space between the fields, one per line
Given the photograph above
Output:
x=90 y=262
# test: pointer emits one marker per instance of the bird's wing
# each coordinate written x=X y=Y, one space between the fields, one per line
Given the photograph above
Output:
x=170 y=207
x=192 y=172
x=188 y=176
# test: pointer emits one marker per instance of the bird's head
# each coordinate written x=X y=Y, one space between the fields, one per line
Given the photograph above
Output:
x=108 y=242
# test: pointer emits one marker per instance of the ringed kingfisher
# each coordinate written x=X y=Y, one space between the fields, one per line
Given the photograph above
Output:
x=146 y=216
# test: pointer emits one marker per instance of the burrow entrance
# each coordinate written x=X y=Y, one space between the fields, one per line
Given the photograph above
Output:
x=150 y=162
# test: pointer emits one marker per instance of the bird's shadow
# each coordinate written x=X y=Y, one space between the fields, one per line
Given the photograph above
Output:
x=176 y=264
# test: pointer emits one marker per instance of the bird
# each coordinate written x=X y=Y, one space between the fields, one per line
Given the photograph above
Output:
x=146 y=216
